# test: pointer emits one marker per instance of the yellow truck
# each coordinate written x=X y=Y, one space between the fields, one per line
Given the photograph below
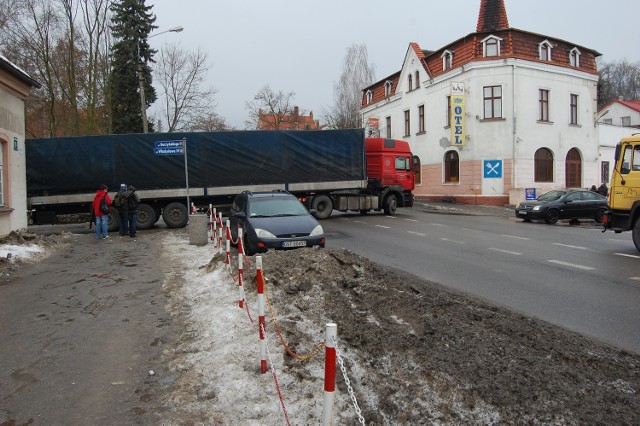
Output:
x=624 y=194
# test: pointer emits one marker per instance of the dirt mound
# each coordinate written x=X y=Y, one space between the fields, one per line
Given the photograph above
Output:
x=426 y=353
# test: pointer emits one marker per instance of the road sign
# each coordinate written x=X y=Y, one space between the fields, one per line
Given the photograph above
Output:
x=492 y=169
x=169 y=147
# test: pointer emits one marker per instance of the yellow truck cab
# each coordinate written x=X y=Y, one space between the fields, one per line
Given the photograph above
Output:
x=624 y=194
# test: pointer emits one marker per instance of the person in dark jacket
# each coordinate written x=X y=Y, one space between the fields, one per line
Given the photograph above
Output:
x=102 y=219
x=603 y=190
x=120 y=203
x=133 y=200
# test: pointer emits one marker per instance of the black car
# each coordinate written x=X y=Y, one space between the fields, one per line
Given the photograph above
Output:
x=273 y=220
x=564 y=204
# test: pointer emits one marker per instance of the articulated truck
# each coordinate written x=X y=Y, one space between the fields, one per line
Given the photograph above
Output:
x=326 y=169
x=624 y=193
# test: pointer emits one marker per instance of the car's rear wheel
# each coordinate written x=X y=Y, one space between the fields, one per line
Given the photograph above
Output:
x=552 y=217
x=600 y=215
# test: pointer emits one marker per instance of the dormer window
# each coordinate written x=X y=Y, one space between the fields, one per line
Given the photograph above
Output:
x=574 y=57
x=447 y=60
x=491 y=46
x=387 y=88
x=544 y=50
x=410 y=82
x=369 y=95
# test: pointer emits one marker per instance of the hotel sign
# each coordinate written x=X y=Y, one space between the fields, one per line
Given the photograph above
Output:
x=458 y=110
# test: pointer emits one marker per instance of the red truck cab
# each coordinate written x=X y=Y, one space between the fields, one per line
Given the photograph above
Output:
x=390 y=162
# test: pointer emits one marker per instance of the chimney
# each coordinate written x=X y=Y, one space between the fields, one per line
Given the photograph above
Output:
x=492 y=17
x=295 y=110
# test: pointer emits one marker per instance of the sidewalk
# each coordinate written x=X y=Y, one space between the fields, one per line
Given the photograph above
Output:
x=464 y=209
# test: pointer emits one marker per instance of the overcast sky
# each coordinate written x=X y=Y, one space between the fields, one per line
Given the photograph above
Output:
x=300 y=47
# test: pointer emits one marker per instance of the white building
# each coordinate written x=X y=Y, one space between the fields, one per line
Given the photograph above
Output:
x=617 y=119
x=493 y=116
x=14 y=89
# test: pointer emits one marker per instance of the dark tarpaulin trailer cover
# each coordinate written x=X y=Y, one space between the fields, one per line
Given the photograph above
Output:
x=69 y=165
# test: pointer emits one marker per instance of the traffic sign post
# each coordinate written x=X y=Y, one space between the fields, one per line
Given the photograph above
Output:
x=178 y=147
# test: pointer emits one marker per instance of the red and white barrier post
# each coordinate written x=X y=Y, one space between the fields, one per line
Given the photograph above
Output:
x=329 y=373
x=262 y=325
x=212 y=228
x=228 y=247
x=240 y=270
x=220 y=226
x=193 y=208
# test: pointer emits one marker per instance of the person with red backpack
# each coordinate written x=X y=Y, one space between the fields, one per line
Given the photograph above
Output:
x=101 y=208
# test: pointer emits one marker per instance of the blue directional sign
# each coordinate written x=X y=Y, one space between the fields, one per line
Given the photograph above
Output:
x=169 y=147
x=492 y=169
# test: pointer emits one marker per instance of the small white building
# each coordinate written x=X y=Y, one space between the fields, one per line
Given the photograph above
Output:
x=617 y=119
x=495 y=116
x=15 y=85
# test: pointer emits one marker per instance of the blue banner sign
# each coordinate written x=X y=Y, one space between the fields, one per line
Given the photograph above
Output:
x=169 y=147
x=530 y=194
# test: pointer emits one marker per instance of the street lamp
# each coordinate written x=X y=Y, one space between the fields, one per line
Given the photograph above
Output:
x=143 y=102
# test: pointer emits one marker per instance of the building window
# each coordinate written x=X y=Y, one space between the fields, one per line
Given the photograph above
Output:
x=544 y=51
x=420 y=119
x=389 y=127
x=573 y=108
x=604 y=172
x=491 y=46
x=543 y=165
x=387 y=88
x=573 y=169
x=447 y=60
x=417 y=170
x=448 y=111
x=410 y=78
x=407 y=123
x=451 y=167
x=543 y=100
x=574 y=57
x=625 y=121
x=417 y=79
x=492 y=102
x=369 y=96
x=608 y=121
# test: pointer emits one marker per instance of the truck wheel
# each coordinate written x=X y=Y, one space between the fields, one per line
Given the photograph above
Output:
x=390 y=205
x=175 y=215
x=323 y=206
x=146 y=216
x=114 y=220
x=635 y=234
x=552 y=217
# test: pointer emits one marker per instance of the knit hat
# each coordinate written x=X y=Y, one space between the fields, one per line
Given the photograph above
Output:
x=123 y=187
x=131 y=188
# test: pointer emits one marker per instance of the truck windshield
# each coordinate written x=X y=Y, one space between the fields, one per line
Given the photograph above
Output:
x=626 y=160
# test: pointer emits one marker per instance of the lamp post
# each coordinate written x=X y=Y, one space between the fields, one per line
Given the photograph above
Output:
x=143 y=102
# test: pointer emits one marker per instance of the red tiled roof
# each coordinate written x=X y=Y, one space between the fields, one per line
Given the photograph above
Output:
x=634 y=105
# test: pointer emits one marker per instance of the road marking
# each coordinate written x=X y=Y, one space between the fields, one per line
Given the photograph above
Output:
x=452 y=241
x=635 y=278
x=627 y=255
x=382 y=226
x=359 y=221
x=411 y=220
x=567 y=245
x=505 y=251
x=515 y=236
x=572 y=265
x=437 y=224
x=392 y=217
x=417 y=233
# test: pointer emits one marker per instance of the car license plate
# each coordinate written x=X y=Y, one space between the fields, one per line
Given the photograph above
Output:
x=522 y=211
x=287 y=244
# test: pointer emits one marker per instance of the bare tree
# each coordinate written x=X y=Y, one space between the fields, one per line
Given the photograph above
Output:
x=347 y=93
x=187 y=101
x=271 y=111
x=618 y=79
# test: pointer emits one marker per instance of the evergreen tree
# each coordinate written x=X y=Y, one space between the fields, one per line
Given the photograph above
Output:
x=130 y=57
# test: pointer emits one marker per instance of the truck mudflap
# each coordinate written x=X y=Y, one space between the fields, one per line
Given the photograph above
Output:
x=407 y=199
x=616 y=221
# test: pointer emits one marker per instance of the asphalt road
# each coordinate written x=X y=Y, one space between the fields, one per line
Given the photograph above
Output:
x=571 y=276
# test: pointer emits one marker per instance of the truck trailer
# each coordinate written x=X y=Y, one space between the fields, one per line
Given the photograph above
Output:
x=326 y=169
